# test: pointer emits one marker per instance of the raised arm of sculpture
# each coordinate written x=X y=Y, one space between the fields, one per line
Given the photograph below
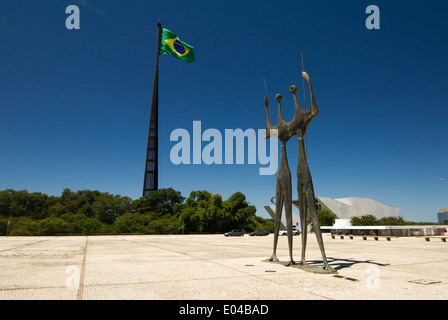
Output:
x=314 y=109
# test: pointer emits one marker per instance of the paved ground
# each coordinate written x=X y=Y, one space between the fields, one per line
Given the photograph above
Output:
x=213 y=267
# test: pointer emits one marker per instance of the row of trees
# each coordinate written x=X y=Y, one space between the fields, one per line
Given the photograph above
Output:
x=164 y=211
x=371 y=220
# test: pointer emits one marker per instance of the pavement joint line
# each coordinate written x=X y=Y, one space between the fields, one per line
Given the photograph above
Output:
x=32 y=288
x=408 y=273
x=22 y=246
x=80 y=294
x=162 y=281
x=421 y=262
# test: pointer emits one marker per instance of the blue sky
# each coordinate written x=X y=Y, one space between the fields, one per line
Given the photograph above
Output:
x=75 y=103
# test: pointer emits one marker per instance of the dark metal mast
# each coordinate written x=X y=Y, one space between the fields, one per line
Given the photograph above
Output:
x=151 y=180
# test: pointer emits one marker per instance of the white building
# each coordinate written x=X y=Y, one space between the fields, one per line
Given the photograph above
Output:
x=345 y=208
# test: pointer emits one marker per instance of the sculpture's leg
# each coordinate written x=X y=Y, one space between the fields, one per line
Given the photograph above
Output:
x=288 y=215
x=303 y=223
x=316 y=224
x=278 y=217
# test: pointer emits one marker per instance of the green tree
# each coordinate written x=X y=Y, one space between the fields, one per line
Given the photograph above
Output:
x=21 y=226
x=81 y=224
x=204 y=212
x=214 y=214
x=190 y=220
x=133 y=222
x=166 y=224
x=14 y=203
x=50 y=226
x=192 y=215
x=22 y=203
x=366 y=220
x=107 y=207
x=238 y=213
x=5 y=202
x=164 y=211
x=71 y=201
x=325 y=217
x=264 y=224
x=161 y=201
x=391 y=221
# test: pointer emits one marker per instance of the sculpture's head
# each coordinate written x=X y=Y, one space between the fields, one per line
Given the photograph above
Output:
x=293 y=89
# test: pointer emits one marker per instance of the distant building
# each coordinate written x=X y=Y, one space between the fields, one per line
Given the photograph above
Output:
x=442 y=216
x=344 y=208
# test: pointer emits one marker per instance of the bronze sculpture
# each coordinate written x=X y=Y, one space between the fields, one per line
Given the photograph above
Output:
x=298 y=126
x=283 y=193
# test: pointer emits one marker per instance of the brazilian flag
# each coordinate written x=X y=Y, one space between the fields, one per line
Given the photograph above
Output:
x=170 y=44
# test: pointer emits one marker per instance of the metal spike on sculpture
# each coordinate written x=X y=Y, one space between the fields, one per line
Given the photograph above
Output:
x=285 y=130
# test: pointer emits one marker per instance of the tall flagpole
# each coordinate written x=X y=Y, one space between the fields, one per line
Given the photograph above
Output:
x=151 y=181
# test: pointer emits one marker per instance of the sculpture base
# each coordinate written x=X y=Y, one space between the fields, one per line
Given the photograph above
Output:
x=307 y=268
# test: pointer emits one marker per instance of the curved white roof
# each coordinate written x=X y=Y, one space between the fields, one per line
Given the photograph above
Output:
x=345 y=208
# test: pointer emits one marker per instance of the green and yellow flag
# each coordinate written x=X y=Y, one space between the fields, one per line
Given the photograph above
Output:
x=170 y=44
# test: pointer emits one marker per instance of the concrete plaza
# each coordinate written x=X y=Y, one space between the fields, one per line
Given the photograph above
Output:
x=209 y=267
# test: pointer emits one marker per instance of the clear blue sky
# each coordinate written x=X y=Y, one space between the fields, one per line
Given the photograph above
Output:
x=75 y=103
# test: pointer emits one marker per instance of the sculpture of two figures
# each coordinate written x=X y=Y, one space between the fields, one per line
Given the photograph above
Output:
x=285 y=131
